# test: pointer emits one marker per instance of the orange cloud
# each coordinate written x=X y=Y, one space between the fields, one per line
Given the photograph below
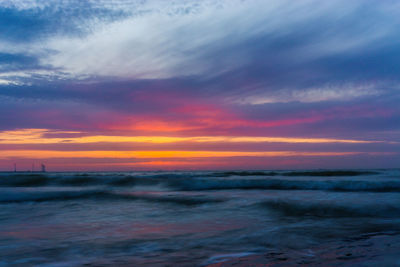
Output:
x=46 y=154
x=37 y=136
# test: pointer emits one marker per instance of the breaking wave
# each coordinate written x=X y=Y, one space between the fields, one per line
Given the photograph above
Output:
x=294 y=173
x=292 y=208
x=193 y=181
x=279 y=184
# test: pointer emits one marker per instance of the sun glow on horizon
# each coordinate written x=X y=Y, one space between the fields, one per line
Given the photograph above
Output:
x=46 y=154
x=38 y=136
x=33 y=144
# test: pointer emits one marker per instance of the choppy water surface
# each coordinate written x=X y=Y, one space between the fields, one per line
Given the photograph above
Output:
x=188 y=218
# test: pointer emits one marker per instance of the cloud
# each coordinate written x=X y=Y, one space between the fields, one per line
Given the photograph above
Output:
x=347 y=92
x=266 y=44
x=30 y=21
x=165 y=42
x=18 y=62
x=251 y=68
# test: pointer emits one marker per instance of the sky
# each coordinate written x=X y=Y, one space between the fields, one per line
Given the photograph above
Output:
x=199 y=85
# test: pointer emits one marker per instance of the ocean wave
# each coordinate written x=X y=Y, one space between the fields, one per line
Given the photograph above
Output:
x=242 y=173
x=322 y=173
x=295 y=208
x=330 y=173
x=24 y=180
x=17 y=197
x=176 y=199
x=38 y=179
x=34 y=180
x=203 y=181
x=280 y=184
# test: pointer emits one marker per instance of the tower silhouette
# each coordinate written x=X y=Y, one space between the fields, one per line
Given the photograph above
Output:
x=43 y=167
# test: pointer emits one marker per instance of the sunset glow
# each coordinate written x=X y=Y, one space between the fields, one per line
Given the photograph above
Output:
x=148 y=85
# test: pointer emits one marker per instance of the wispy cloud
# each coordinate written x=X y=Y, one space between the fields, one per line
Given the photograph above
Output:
x=347 y=92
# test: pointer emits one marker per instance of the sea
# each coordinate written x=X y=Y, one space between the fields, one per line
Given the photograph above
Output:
x=201 y=218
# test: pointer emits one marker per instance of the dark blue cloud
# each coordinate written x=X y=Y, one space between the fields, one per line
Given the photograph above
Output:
x=15 y=62
x=57 y=18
